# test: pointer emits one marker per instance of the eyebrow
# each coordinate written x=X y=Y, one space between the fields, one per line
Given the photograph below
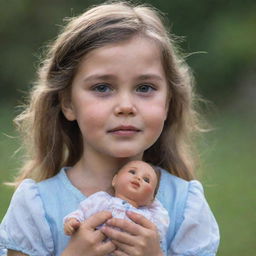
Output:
x=150 y=76
x=98 y=77
x=111 y=76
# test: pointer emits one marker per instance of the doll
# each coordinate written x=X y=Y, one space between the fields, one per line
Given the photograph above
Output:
x=135 y=186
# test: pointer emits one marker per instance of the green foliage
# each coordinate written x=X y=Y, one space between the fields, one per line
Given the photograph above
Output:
x=230 y=180
x=223 y=29
x=8 y=160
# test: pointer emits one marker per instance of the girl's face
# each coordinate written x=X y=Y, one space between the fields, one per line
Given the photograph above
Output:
x=119 y=98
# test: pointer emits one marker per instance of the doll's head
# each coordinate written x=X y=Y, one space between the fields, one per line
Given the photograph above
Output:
x=136 y=182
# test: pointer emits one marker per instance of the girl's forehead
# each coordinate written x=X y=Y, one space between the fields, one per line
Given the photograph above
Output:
x=136 y=49
x=130 y=60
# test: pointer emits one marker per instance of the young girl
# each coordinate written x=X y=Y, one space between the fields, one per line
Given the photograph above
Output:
x=112 y=89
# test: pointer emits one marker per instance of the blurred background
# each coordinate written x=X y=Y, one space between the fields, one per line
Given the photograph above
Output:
x=221 y=35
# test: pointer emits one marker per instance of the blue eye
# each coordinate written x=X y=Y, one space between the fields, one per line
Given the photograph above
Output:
x=102 y=88
x=145 y=88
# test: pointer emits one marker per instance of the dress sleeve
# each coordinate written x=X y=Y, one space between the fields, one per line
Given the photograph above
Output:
x=198 y=234
x=25 y=227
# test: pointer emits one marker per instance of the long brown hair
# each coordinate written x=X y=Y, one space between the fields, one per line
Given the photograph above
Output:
x=52 y=142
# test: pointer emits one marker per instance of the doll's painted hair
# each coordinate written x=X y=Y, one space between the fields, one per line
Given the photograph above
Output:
x=52 y=141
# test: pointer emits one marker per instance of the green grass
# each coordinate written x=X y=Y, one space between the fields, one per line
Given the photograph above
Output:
x=8 y=162
x=229 y=177
x=230 y=182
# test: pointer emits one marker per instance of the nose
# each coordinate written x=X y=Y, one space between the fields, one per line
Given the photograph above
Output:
x=125 y=106
x=138 y=177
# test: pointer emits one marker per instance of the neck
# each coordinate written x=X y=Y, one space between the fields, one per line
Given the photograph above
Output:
x=94 y=172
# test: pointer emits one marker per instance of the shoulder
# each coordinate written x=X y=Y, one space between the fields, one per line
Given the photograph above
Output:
x=172 y=191
x=190 y=216
x=25 y=220
x=26 y=194
x=175 y=189
x=198 y=232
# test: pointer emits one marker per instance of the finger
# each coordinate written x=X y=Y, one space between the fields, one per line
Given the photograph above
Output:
x=125 y=225
x=123 y=248
x=120 y=253
x=68 y=231
x=95 y=235
x=141 y=220
x=76 y=225
x=117 y=235
x=98 y=219
x=106 y=247
x=99 y=236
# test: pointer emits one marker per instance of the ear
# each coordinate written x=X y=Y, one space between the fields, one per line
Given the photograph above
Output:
x=67 y=109
x=114 y=181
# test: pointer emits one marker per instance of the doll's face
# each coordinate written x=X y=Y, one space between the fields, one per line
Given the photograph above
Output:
x=136 y=182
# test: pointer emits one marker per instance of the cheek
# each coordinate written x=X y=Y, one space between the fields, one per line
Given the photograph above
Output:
x=155 y=117
x=92 y=117
x=148 y=190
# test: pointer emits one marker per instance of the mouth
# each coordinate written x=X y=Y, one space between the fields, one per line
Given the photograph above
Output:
x=124 y=130
x=135 y=184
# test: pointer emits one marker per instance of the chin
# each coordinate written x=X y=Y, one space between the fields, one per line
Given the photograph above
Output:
x=126 y=154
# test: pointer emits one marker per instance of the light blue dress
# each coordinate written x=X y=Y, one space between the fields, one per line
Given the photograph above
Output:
x=33 y=223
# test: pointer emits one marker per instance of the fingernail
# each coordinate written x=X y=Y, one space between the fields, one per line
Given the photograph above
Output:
x=109 y=222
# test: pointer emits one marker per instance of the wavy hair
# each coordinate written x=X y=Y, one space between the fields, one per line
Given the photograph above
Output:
x=51 y=141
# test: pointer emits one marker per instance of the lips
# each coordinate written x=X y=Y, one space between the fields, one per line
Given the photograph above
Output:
x=124 y=130
x=135 y=183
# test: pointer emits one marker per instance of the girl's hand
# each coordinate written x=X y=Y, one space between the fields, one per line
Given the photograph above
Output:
x=139 y=238
x=88 y=240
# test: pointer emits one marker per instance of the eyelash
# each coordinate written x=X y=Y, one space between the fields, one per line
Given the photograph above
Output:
x=108 y=89
x=132 y=171
x=150 y=88
x=145 y=178
x=97 y=87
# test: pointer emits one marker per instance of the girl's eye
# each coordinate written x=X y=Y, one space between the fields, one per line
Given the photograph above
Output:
x=145 y=88
x=146 y=179
x=102 y=88
x=131 y=171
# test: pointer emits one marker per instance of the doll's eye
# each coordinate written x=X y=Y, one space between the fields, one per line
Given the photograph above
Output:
x=132 y=171
x=146 y=179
